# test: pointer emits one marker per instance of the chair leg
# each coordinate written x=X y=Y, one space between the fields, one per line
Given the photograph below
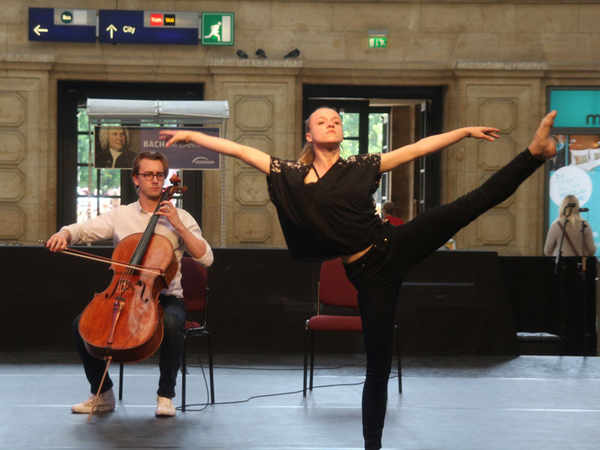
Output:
x=398 y=355
x=306 y=344
x=210 y=368
x=312 y=357
x=183 y=373
x=210 y=371
x=121 y=381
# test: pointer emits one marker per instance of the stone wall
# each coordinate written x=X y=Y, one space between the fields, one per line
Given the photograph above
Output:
x=495 y=60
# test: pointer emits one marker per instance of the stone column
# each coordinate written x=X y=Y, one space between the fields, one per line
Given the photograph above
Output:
x=265 y=114
x=512 y=105
x=27 y=170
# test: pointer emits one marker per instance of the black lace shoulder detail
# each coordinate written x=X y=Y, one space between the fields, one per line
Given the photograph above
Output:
x=277 y=165
x=371 y=159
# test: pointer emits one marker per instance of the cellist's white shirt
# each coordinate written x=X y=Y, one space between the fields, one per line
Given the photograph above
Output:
x=120 y=222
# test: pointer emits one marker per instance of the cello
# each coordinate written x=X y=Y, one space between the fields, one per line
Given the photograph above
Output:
x=124 y=322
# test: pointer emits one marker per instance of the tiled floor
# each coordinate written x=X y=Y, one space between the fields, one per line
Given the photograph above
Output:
x=448 y=403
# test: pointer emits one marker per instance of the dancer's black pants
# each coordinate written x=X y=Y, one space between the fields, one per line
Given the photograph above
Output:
x=379 y=273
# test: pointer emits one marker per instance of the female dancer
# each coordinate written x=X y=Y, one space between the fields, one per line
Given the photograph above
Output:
x=326 y=210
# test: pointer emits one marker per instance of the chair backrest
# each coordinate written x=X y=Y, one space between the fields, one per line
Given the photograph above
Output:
x=194 y=281
x=334 y=287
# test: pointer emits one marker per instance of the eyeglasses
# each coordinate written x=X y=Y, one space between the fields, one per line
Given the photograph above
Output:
x=149 y=176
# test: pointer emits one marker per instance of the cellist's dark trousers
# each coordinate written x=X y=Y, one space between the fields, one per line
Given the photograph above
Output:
x=171 y=350
x=378 y=275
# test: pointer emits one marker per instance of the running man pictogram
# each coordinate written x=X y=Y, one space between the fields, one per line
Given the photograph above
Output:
x=214 y=31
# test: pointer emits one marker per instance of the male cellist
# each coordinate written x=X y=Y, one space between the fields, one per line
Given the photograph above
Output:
x=180 y=228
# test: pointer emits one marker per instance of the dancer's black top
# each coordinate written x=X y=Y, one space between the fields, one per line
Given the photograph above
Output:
x=331 y=217
x=336 y=215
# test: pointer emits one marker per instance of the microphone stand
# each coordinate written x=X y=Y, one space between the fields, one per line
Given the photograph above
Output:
x=583 y=273
x=558 y=265
x=567 y=214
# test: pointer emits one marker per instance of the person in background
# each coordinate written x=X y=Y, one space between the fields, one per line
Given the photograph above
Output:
x=388 y=209
x=579 y=238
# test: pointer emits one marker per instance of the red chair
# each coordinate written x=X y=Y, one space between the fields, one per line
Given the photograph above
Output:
x=336 y=290
x=195 y=295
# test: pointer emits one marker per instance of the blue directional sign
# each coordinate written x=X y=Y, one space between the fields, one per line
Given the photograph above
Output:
x=62 y=24
x=148 y=27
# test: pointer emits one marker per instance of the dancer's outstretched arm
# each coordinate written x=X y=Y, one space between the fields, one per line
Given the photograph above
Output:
x=256 y=158
x=432 y=144
x=542 y=146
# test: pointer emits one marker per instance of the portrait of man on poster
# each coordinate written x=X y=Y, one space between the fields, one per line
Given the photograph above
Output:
x=113 y=148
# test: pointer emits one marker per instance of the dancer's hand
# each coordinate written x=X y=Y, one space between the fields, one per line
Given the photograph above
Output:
x=174 y=136
x=487 y=133
x=543 y=145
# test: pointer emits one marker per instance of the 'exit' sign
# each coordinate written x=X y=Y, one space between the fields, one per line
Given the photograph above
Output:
x=377 y=42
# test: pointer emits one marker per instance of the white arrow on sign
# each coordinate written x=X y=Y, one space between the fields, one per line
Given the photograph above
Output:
x=111 y=29
x=37 y=30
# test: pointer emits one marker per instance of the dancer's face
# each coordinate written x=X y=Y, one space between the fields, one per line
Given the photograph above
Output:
x=325 y=128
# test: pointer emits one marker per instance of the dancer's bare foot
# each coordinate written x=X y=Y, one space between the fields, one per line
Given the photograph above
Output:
x=543 y=146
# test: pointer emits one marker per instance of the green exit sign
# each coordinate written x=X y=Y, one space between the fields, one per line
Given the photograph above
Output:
x=377 y=42
x=217 y=28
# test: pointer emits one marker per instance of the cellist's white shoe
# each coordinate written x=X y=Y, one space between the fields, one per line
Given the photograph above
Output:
x=165 y=407
x=106 y=402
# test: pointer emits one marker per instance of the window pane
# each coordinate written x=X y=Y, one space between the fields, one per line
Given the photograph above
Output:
x=83 y=146
x=83 y=183
x=378 y=144
x=110 y=181
x=83 y=121
x=348 y=148
x=86 y=208
x=350 y=124
x=376 y=138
